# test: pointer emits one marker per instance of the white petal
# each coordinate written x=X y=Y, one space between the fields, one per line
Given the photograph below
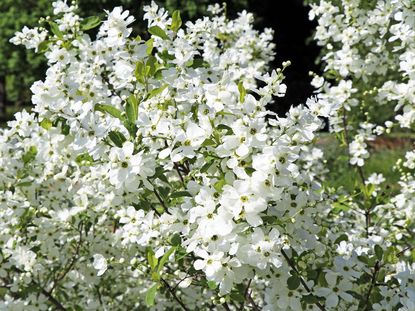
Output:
x=186 y=282
x=128 y=148
x=199 y=264
x=331 y=278
x=164 y=153
x=242 y=150
x=253 y=219
x=332 y=300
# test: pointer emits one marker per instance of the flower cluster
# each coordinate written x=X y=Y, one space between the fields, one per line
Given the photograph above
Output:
x=153 y=167
x=368 y=49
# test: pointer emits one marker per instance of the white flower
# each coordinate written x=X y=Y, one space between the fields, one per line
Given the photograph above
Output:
x=337 y=289
x=358 y=151
x=24 y=258
x=262 y=250
x=240 y=201
x=127 y=166
x=100 y=264
x=30 y=38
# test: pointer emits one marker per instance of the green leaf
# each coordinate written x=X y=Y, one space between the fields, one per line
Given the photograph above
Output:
x=30 y=155
x=242 y=91
x=293 y=282
x=117 y=138
x=249 y=170
x=151 y=66
x=181 y=254
x=378 y=252
x=372 y=261
x=176 y=21
x=310 y=299
x=364 y=279
x=212 y=285
x=150 y=45
x=198 y=63
x=206 y=166
x=381 y=276
x=208 y=142
x=225 y=127
x=131 y=127
x=131 y=108
x=160 y=174
x=363 y=259
x=164 y=191
x=109 y=109
x=340 y=207
x=164 y=259
x=152 y=260
x=24 y=184
x=219 y=185
x=55 y=30
x=151 y=295
x=65 y=128
x=43 y=46
x=312 y=274
x=90 y=22
x=46 y=124
x=322 y=280
x=176 y=240
x=84 y=159
x=156 y=91
x=390 y=255
x=157 y=31
x=166 y=56
x=342 y=237
x=139 y=72
x=367 y=189
x=155 y=276
x=237 y=296
x=355 y=295
x=179 y=194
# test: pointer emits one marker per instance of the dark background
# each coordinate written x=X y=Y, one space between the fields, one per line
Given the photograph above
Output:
x=19 y=68
x=293 y=32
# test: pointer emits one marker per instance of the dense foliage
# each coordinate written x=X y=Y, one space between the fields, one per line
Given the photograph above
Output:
x=13 y=16
x=150 y=174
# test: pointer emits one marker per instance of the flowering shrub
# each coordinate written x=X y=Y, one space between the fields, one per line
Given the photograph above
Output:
x=368 y=57
x=152 y=176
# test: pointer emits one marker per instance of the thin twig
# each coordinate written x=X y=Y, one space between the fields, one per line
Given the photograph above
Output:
x=52 y=299
x=110 y=86
x=181 y=280
x=372 y=284
x=367 y=222
x=178 y=171
x=48 y=295
x=320 y=306
x=99 y=295
x=225 y=305
x=72 y=262
x=173 y=293
x=404 y=250
x=160 y=200
x=245 y=295
x=359 y=171
x=252 y=302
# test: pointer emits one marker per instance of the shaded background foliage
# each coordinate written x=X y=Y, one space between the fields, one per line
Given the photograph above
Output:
x=19 y=68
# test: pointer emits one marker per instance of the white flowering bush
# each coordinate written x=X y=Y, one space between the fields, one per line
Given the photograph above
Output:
x=151 y=176
x=368 y=57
